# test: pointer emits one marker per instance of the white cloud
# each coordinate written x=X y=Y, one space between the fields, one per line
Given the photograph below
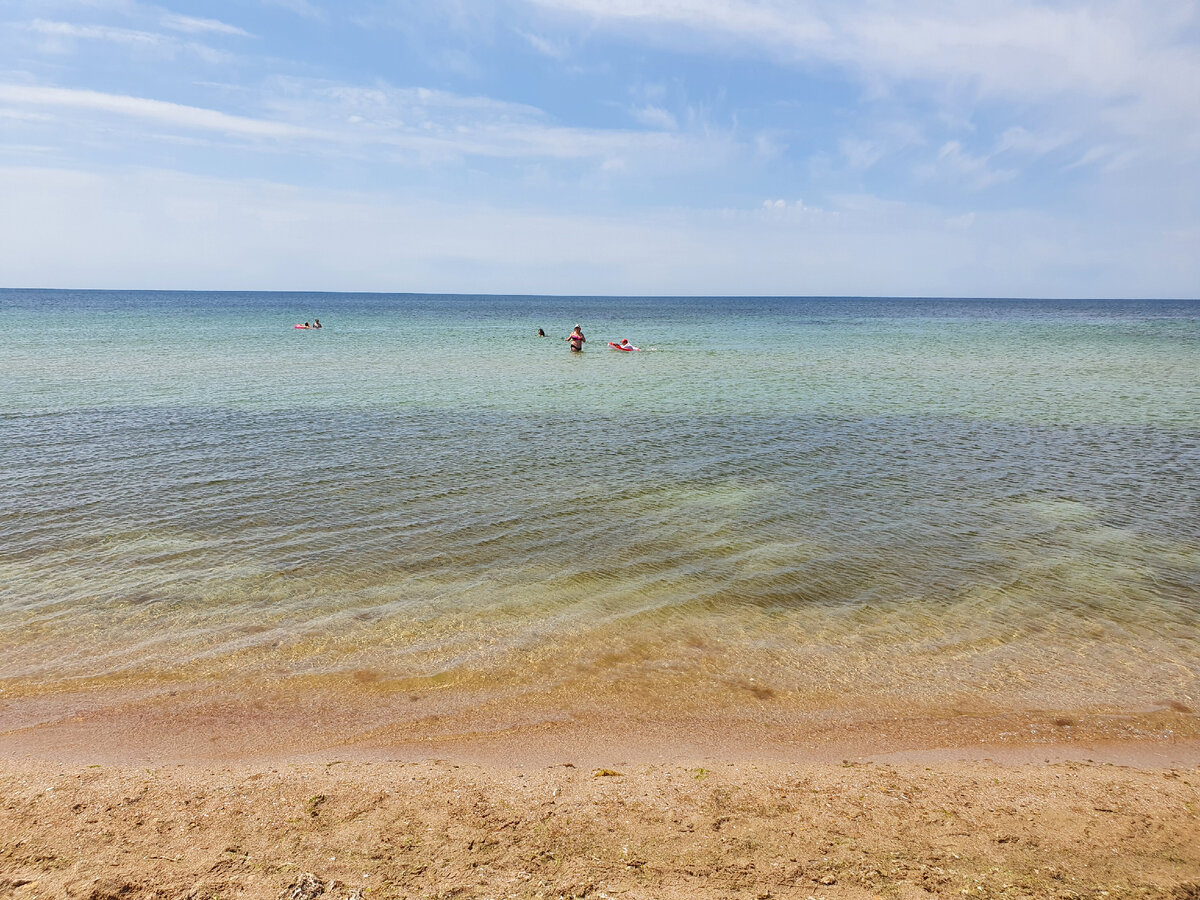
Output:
x=1021 y=140
x=861 y=154
x=24 y=116
x=190 y=25
x=419 y=125
x=780 y=25
x=1133 y=63
x=887 y=137
x=96 y=32
x=955 y=164
x=439 y=124
x=1015 y=46
x=545 y=46
x=59 y=37
x=655 y=117
x=768 y=147
x=302 y=8
x=1106 y=157
x=175 y=114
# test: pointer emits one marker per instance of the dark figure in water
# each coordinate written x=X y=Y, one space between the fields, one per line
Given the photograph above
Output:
x=577 y=340
x=541 y=333
x=316 y=323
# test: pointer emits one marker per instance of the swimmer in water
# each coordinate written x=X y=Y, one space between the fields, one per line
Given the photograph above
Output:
x=577 y=340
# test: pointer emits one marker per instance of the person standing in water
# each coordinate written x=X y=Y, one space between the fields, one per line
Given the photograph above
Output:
x=577 y=340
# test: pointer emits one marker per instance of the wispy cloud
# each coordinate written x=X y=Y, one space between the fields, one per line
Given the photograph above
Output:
x=880 y=139
x=425 y=126
x=1106 y=157
x=1018 y=139
x=60 y=37
x=1009 y=45
x=954 y=163
x=779 y=24
x=444 y=124
x=656 y=117
x=1140 y=69
x=304 y=8
x=190 y=25
x=860 y=153
x=23 y=115
x=544 y=45
x=174 y=114
x=96 y=33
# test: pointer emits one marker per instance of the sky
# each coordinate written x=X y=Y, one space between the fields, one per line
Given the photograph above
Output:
x=1013 y=148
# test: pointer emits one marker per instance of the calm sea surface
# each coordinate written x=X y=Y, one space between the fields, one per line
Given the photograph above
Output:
x=898 y=503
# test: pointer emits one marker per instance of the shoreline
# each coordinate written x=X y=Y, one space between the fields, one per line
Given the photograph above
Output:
x=218 y=724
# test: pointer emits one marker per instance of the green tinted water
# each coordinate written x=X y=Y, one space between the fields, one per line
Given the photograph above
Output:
x=856 y=502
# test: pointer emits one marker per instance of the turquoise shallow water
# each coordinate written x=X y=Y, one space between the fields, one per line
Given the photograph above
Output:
x=856 y=502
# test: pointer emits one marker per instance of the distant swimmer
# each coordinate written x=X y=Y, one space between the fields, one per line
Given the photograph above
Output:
x=541 y=333
x=624 y=345
x=576 y=339
x=316 y=323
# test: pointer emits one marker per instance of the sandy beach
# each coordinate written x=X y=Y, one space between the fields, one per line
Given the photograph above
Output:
x=220 y=801
x=703 y=829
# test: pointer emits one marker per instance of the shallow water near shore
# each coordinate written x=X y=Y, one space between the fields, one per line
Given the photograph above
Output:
x=893 y=505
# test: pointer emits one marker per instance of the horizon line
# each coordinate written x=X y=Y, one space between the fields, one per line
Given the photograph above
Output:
x=581 y=296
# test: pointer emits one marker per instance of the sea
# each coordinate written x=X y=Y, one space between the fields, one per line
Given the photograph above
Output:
x=904 y=505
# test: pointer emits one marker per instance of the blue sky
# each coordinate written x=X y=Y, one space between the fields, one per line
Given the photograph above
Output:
x=808 y=147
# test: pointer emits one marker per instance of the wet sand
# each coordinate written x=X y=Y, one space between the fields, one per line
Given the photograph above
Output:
x=301 y=721
x=364 y=794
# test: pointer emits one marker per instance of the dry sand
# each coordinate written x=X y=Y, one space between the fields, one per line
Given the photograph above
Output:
x=120 y=801
x=438 y=829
